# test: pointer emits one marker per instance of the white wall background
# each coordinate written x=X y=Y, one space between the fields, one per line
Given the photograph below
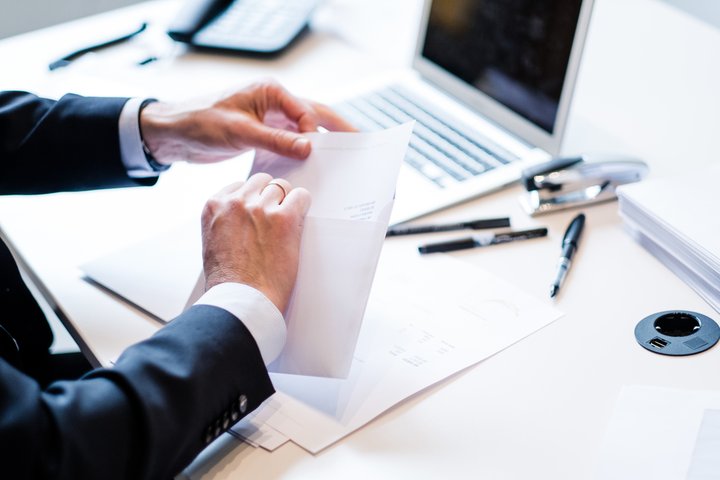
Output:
x=18 y=16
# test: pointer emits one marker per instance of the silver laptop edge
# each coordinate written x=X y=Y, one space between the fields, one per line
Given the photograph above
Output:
x=494 y=110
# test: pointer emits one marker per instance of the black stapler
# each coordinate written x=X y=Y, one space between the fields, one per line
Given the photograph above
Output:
x=576 y=181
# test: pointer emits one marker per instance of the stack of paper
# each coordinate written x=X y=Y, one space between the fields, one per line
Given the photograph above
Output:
x=677 y=220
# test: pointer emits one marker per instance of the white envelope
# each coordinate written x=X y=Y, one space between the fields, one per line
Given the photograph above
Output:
x=334 y=280
x=352 y=178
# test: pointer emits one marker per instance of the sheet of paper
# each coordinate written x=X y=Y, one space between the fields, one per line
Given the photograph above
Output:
x=255 y=431
x=663 y=434
x=427 y=318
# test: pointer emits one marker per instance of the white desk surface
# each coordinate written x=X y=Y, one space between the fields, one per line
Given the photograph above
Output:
x=536 y=410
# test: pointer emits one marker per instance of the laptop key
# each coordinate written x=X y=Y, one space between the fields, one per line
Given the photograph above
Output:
x=379 y=117
x=428 y=169
x=435 y=156
x=356 y=118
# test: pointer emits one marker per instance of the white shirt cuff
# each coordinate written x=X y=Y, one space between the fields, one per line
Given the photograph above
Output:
x=131 y=150
x=259 y=315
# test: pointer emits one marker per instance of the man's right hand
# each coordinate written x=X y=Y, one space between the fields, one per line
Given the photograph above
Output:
x=251 y=235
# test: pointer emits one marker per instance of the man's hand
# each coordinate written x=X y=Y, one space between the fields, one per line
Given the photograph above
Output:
x=251 y=235
x=263 y=115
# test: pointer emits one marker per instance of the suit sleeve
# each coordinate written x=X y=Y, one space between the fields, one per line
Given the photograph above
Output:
x=146 y=418
x=66 y=145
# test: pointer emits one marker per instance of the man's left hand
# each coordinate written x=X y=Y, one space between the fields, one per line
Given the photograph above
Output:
x=263 y=115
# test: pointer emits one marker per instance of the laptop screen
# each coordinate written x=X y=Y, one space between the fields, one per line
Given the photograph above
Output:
x=515 y=51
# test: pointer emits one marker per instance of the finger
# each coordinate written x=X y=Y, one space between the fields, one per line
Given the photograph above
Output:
x=229 y=189
x=282 y=142
x=298 y=201
x=331 y=120
x=254 y=185
x=275 y=192
x=215 y=202
x=295 y=109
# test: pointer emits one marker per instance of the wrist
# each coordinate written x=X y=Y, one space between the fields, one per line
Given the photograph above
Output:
x=223 y=276
x=155 y=130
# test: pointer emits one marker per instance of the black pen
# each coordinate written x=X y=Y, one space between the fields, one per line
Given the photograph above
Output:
x=569 y=246
x=482 y=240
x=471 y=225
x=64 y=61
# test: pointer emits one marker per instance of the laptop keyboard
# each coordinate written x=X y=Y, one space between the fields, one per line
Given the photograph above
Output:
x=441 y=149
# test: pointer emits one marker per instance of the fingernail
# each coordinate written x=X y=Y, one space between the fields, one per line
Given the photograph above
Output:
x=302 y=146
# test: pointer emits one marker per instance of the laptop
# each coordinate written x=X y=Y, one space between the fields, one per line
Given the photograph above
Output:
x=490 y=91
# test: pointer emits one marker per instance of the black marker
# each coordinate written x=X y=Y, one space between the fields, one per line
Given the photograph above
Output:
x=472 y=225
x=67 y=59
x=569 y=246
x=483 y=240
x=147 y=61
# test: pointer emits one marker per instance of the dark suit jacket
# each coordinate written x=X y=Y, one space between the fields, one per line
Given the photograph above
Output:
x=168 y=396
